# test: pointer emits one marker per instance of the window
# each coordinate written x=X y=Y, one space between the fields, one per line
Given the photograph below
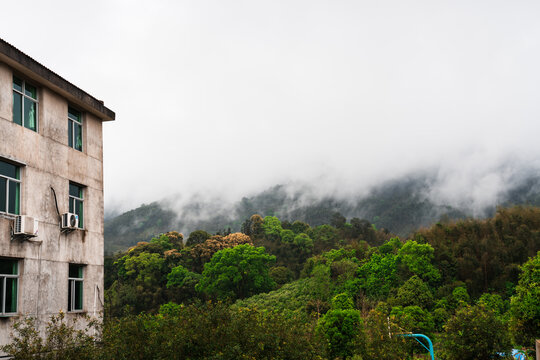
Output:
x=75 y=287
x=9 y=283
x=76 y=202
x=10 y=188
x=24 y=104
x=74 y=129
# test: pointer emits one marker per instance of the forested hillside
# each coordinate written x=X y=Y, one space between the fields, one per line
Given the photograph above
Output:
x=400 y=206
x=342 y=289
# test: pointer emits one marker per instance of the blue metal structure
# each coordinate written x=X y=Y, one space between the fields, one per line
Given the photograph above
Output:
x=422 y=336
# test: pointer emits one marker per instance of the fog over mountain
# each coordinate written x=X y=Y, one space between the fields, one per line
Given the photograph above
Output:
x=219 y=100
x=399 y=205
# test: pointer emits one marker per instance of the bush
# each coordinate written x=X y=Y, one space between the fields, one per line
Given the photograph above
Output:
x=62 y=340
x=475 y=333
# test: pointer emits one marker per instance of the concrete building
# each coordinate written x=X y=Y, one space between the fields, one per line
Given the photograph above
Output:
x=51 y=194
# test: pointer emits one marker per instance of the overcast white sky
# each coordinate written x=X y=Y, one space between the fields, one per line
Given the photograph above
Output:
x=229 y=97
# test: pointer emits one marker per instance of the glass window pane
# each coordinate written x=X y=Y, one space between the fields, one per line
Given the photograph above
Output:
x=80 y=212
x=17 y=108
x=2 y=283
x=74 y=190
x=70 y=290
x=8 y=267
x=71 y=205
x=30 y=90
x=75 y=271
x=11 y=295
x=78 y=136
x=74 y=114
x=13 y=201
x=70 y=133
x=17 y=84
x=78 y=295
x=9 y=170
x=30 y=115
x=3 y=194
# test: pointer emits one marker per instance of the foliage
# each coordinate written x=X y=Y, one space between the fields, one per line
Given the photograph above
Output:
x=237 y=272
x=342 y=302
x=474 y=333
x=209 y=331
x=280 y=274
x=197 y=237
x=414 y=292
x=378 y=275
x=417 y=258
x=62 y=340
x=196 y=256
x=342 y=329
x=380 y=342
x=485 y=254
x=272 y=227
x=525 y=305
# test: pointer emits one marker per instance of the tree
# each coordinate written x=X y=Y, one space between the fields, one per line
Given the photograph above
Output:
x=324 y=237
x=343 y=331
x=62 y=339
x=414 y=292
x=198 y=255
x=272 y=228
x=378 y=275
x=304 y=242
x=475 y=333
x=418 y=257
x=299 y=227
x=197 y=237
x=287 y=236
x=525 y=305
x=338 y=221
x=237 y=272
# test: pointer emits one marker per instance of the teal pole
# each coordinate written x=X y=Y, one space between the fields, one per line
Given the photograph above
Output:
x=422 y=336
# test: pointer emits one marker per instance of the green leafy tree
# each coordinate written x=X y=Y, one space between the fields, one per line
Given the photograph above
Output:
x=287 y=236
x=342 y=302
x=525 y=305
x=343 y=331
x=280 y=274
x=272 y=228
x=304 y=242
x=414 y=292
x=237 y=272
x=299 y=227
x=324 y=237
x=475 y=333
x=62 y=339
x=381 y=340
x=378 y=275
x=460 y=297
x=418 y=259
x=197 y=237
x=495 y=303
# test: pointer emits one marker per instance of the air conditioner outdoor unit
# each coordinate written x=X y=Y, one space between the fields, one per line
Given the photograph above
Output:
x=70 y=221
x=26 y=225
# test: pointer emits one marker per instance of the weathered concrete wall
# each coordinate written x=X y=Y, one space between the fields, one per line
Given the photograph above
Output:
x=49 y=162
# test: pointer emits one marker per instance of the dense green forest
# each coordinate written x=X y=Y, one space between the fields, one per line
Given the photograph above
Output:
x=401 y=206
x=343 y=290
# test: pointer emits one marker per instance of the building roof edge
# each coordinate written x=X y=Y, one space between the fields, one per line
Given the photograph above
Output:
x=17 y=59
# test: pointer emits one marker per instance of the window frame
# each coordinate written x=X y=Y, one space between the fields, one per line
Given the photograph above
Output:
x=18 y=182
x=72 y=289
x=3 y=282
x=72 y=123
x=24 y=96
x=76 y=199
